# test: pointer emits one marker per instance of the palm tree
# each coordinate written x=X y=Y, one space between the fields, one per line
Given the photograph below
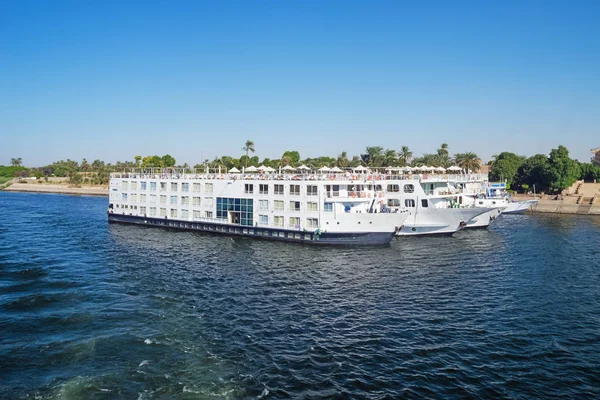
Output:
x=16 y=162
x=342 y=160
x=443 y=150
x=249 y=146
x=468 y=161
x=389 y=158
x=405 y=155
x=373 y=156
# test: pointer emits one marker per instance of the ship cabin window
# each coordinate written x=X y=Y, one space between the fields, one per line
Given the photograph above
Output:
x=209 y=202
x=197 y=214
x=208 y=214
x=263 y=220
x=124 y=196
x=163 y=186
x=133 y=185
x=409 y=188
x=311 y=190
x=196 y=187
x=263 y=188
x=248 y=188
x=208 y=188
x=185 y=201
x=163 y=212
x=333 y=190
x=278 y=189
x=294 y=222
x=481 y=202
x=312 y=222
x=173 y=213
x=153 y=186
x=409 y=203
x=263 y=205
x=393 y=188
x=173 y=186
x=278 y=205
x=185 y=214
x=294 y=206
x=278 y=220
x=378 y=188
x=424 y=203
x=196 y=201
x=124 y=185
x=295 y=190
x=185 y=187
x=311 y=207
x=143 y=210
x=143 y=185
x=393 y=203
x=153 y=211
x=328 y=207
x=173 y=199
x=143 y=198
x=163 y=199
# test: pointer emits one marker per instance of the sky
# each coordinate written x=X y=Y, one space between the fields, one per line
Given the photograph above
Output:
x=111 y=80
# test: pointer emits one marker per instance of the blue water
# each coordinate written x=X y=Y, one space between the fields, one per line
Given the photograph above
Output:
x=92 y=311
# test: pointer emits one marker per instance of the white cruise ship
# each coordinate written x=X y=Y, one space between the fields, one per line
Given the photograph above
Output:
x=307 y=208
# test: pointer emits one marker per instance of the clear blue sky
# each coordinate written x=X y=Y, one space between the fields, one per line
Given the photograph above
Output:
x=112 y=79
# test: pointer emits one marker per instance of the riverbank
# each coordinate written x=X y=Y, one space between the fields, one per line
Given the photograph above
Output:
x=59 y=188
x=566 y=206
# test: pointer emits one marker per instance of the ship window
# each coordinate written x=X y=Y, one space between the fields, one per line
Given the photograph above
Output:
x=185 y=214
x=163 y=199
x=210 y=202
x=248 y=188
x=208 y=214
x=393 y=188
x=173 y=213
x=134 y=197
x=124 y=185
x=163 y=212
x=295 y=190
x=196 y=201
x=133 y=185
x=424 y=203
x=185 y=201
x=185 y=187
x=153 y=211
x=173 y=199
x=263 y=205
x=294 y=222
x=294 y=206
x=124 y=196
x=143 y=198
x=208 y=187
x=195 y=187
x=279 y=205
x=263 y=189
x=278 y=220
x=263 y=220
x=197 y=214
x=328 y=207
x=143 y=185
x=311 y=207
x=153 y=186
x=163 y=186
x=409 y=202
x=312 y=222
x=173 y=186
x=393 y=203
x=409 y=189
x=311 y=190
x=278 y=189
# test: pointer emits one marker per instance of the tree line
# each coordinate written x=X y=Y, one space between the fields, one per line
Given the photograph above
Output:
x=553 y=173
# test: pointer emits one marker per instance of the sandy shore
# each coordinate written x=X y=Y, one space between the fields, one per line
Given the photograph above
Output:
x=58 y=188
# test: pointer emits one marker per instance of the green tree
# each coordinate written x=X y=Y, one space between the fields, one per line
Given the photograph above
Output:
x=85 y=166
x=342 y=160
x=138 y=160
x=389 y=158
x=168 y=161
x=589 y=172
x=405 y=156
x=292 y=157
x=249 y=146
x=16 y=162
x=468 y=161
x=505 y=167
x=533 y=172
x=373 y=156
x=75 y=178
x=562 y=170
x=443 y=150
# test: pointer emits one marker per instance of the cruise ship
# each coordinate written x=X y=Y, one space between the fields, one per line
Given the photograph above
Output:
x=325 y=209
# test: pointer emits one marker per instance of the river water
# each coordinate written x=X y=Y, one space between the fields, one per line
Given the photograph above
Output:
x=92 y=311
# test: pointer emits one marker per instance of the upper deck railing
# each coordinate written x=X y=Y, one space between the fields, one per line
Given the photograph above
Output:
x=347 y=176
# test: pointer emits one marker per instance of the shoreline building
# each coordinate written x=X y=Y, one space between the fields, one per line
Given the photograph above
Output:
x=596 y=158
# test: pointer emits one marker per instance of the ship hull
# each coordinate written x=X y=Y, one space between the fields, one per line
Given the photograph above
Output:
x=284 y=235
